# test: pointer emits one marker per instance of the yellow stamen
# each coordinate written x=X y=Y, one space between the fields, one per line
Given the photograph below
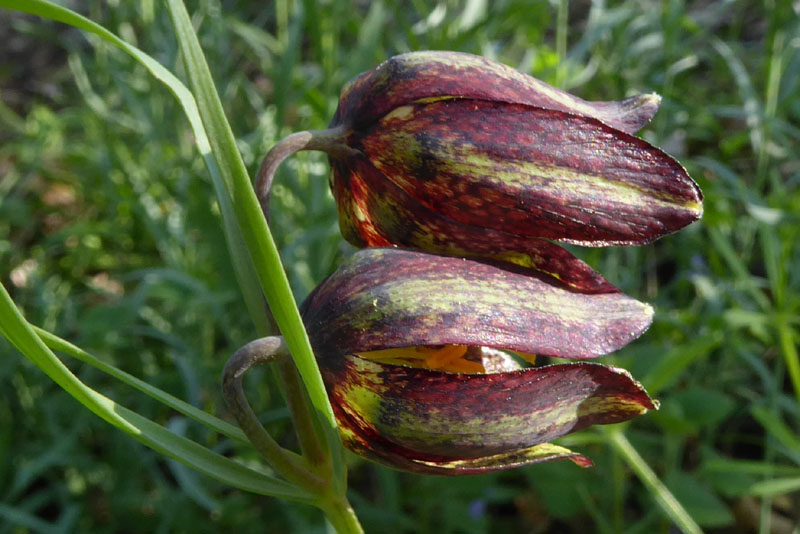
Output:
x=466 y=366
x=528 y=357
x=445 y=355
x=448 y=358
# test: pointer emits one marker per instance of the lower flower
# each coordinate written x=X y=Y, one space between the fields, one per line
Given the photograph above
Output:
x=425 y=357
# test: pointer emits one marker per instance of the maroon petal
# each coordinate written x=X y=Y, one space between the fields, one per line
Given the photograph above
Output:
x=389 y=298
x=532 y=172
x=444 y=423
x=374 y=212
x=408 y=78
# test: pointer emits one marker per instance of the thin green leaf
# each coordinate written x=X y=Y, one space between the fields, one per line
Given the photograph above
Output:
x=777 y=486
x=665 y=499
x=243 y=265
x=248 y=215
x=158 y=438
x=255 y=231
x=749 y=467
x=775 y=426
x=218 y=425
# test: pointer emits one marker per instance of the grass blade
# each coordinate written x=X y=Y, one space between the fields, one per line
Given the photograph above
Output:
x=218 y=425
x=245 y=271
x=255 y=231
x=14 y=326
x=665 y=499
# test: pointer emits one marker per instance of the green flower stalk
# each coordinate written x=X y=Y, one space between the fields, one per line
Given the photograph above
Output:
x=417 y=353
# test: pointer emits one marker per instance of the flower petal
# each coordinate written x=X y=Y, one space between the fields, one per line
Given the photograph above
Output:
x=532 y=172
x=446 y=423
x=408 y=78
x=374 y=212
x=390 y=455
x=390 y=298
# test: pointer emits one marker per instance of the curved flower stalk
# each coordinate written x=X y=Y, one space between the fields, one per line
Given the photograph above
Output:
x=422 y=357
x=455 y=154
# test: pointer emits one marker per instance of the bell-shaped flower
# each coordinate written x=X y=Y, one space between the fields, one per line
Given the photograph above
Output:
x=424 y=360
x=455 y=154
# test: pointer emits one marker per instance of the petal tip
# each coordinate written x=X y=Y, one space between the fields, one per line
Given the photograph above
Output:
x=650 y=99
x=697 y=208
x=636 y=112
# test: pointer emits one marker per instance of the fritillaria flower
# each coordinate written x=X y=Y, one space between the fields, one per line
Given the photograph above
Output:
x=477 y=172
x=456 y=154
x=424 y=360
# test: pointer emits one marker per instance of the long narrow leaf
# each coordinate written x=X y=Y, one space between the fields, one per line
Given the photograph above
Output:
x=273 y=278
x=254 y=228
x=665 y=499
x=158 y=438
x=56 y=343
x=245 y=271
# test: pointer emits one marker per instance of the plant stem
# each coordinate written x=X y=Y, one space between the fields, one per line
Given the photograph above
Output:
x=255 y=232
x=288 y=464
x=331 y=141
x=342 y=517
x=660 y=492
x=299 y=407
x=291 y=466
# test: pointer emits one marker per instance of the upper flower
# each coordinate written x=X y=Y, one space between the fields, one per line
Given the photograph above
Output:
x=414 y=351
x=456 y=154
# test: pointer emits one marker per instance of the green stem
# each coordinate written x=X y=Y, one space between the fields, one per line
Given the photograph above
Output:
x=290 y=465
x=296 y=398
x=255 y=232
x=330 y=141
x=342 y=517
x=663 y=496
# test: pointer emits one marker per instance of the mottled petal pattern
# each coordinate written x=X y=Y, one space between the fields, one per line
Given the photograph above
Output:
x=455 y=154
x=409 y=78
x=447 y=423
x=388 y=298
x=426 y=355
x=532 y=172
x=374 y=212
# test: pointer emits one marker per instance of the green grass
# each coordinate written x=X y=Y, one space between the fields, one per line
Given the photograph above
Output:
x=111 y=238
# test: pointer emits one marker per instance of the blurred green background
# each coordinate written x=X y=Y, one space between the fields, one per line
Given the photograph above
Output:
x=111 y=238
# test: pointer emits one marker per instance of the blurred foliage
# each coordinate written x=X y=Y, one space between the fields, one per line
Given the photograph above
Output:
x=110 y=237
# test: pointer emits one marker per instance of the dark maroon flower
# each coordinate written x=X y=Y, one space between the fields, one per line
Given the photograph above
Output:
x=455 y=154
x=423 y=359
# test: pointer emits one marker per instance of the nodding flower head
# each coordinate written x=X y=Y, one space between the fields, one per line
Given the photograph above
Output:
x=455 y=154
x=426 y=360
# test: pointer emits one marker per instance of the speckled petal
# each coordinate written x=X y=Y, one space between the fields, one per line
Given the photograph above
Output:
x=445 y=423
x=388 y=298
x=532 y=172
x=390 y=455
x=415 y=76
x=374 y=212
